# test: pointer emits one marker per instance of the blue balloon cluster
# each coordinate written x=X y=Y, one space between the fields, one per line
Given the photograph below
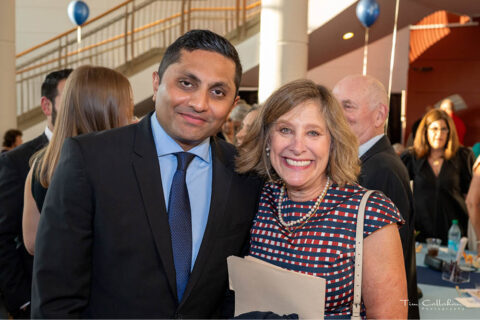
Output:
x=78 y=12
x=367 y=12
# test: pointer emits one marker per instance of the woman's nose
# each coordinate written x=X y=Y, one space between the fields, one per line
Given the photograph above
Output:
x=298 y=144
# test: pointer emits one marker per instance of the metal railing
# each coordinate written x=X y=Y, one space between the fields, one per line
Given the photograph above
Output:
x=125 y=33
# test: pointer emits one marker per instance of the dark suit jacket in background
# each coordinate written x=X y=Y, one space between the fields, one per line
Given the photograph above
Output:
x=103 y=245
x=383 y=170
x=15 y=262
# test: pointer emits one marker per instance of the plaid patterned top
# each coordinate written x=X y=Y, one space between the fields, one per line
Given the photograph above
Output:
x=325 y=245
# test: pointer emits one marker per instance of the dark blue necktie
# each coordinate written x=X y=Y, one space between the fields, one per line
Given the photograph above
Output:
x=179 y=218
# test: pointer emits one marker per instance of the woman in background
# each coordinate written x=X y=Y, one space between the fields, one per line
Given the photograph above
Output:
x=306 y=221
x=234 y=121
x=246 y=124
x=94 y=99
x=441 y=170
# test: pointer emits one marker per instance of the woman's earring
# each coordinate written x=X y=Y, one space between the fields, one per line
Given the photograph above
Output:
x=267 y=149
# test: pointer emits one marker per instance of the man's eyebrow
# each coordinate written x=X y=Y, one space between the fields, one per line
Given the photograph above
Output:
x=191 y=76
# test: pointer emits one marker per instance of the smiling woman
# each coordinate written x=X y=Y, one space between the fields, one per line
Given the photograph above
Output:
x=306 y=220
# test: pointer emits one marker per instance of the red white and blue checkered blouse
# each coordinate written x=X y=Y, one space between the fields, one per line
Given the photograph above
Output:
x=325 y=245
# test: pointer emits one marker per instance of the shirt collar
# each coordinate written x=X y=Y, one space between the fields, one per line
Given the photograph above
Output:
x=367 y=145
x=48 y=133
x=166 y=145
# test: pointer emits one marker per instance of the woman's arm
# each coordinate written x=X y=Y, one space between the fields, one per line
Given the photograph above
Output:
x=384 y=284
x=31 y=216
x=473 y=201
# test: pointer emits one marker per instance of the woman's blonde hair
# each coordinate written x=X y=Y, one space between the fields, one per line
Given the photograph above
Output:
x=343 y=164
x=93 y=99
x=421 y=146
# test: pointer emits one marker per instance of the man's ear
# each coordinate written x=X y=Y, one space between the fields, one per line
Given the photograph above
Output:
x=155 y=84
x=235 y=101
x=381 y=115
x=46 y=106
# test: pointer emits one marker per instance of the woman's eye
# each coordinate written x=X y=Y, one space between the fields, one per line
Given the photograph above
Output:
x=313 y=133
x=285 y=130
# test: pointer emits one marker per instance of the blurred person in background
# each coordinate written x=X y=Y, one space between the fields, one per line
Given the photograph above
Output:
x=441 y=170
x=15 y=262
x=11 y=139
x=234 y=121
x=246 y=124
x=473 y=203
x=94 y=99
x=448 y=106
x=365 y=105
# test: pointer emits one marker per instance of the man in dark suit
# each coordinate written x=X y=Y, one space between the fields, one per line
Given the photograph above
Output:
x=365 y=104
x=109 y=242
x=15 y=262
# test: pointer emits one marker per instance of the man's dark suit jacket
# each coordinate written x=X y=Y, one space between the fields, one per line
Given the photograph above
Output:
x=103 y=245
x=15 y=262
x=383 y=170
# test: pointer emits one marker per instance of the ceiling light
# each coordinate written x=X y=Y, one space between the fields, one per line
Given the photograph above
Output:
x=347 y=35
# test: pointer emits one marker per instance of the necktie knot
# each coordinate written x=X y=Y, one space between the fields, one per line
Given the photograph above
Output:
x=183 y=160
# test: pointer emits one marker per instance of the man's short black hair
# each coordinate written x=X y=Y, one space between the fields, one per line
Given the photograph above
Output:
x=10 y=137
x=49 y=85
x=201 y=40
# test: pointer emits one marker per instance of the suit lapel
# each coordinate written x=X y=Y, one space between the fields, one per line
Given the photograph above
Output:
x=147 y=171
x=379 y=146
x=221 y=181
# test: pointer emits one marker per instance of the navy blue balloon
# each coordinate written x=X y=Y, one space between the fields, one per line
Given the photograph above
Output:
x=78 y=12
x=367 y=12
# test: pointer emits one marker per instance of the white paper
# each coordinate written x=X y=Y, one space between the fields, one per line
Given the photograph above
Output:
x=261 y=286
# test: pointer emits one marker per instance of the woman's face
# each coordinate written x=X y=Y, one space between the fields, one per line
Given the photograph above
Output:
x=300 y=147
x=437 y=134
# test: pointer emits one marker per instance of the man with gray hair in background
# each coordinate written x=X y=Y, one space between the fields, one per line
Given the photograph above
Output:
x=365 y=105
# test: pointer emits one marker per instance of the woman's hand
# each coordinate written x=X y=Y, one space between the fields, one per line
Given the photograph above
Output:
x=384 y=284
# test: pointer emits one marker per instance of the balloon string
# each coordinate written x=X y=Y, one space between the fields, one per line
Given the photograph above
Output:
x=79 y=34
x=392 y=55
x=365 y=53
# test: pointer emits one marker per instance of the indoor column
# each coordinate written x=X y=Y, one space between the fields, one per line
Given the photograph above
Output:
x=283 y=44
x=8 y=106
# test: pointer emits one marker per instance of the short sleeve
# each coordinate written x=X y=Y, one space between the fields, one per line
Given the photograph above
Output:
x=379 y=212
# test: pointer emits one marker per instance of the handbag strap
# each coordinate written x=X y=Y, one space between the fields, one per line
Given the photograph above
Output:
x=357 y=282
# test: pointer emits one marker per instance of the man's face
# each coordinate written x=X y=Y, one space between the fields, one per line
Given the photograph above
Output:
x=195 y=96
x=56 y=101
x=356 y=108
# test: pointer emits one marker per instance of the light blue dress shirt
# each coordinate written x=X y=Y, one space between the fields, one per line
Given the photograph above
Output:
x=367 y=145
x=199 y=178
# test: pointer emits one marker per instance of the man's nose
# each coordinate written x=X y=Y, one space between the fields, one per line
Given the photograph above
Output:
x=199 y=100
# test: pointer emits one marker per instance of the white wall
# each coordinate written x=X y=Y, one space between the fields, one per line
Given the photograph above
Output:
x=40 y=20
